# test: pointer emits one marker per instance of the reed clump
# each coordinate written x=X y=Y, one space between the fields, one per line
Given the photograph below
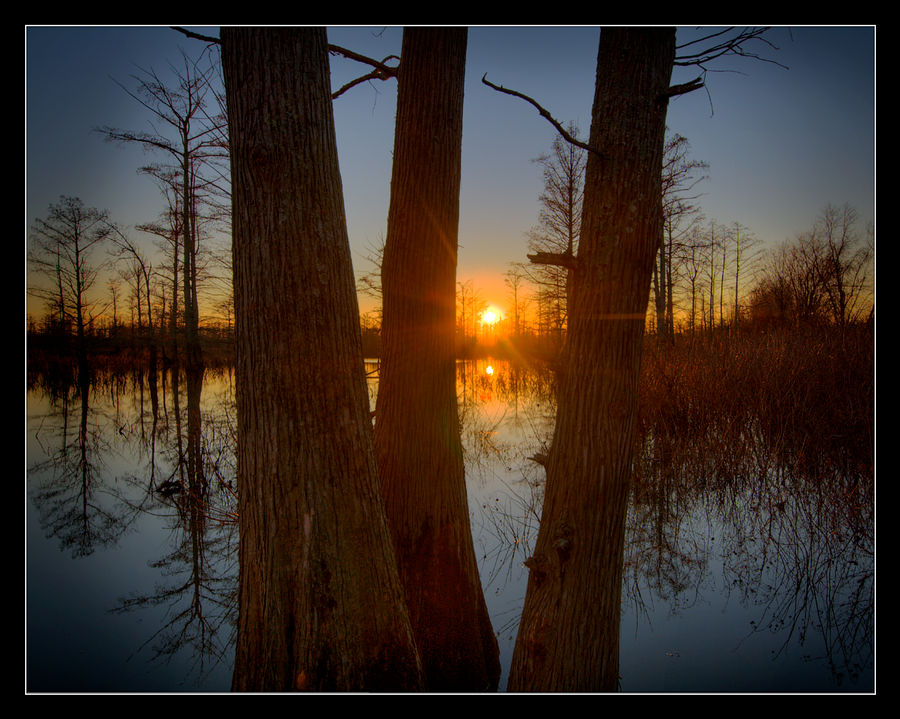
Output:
x=803 y=398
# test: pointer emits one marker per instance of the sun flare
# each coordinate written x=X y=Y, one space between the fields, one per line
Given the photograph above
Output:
x=491 y=316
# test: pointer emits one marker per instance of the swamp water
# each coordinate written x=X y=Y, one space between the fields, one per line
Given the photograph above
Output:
x=737 y=578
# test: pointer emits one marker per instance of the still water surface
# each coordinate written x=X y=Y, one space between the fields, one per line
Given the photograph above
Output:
x=732 y=583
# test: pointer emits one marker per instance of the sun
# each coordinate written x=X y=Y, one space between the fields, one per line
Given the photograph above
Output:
x=491 y=316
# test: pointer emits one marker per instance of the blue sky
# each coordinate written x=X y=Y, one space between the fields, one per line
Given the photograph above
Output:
x=780 y=143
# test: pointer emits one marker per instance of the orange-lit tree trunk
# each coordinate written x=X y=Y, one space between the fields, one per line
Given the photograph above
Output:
x=321 y=605
x=569 y=633
x=416 y=424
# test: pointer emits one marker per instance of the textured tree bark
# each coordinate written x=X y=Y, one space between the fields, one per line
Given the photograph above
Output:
x=321 y=605
x=416 y=427
x=569 y=633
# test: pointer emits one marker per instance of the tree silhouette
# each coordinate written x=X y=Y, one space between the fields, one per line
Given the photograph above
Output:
x=568 y=636
x=63 y=251
x=417 y=438
x=679 y=177
x=321 y=605
x=192 y=139
x=556 y=235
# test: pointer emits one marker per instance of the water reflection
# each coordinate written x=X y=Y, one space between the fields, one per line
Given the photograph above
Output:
x=725 y=533
x=197 y=494
x=144 y=453
x=68 y=484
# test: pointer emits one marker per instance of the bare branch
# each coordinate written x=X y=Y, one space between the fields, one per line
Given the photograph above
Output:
x=685 y=88
x=196 y=36
x=705 y=38
x=544 y=114
x=558 y=259
x=388 y=70
x=381 y=70
x=374 y=75
x=541 y=459
x=729 y=41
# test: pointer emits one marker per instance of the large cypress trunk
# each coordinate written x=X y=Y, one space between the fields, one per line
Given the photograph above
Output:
x=569 y=633
x=321 y=605
x=416 y=427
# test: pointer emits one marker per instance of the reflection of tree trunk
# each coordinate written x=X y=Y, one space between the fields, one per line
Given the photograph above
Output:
x=321 y=605
x=196 y=497
x=176 y=410
x=197 y=483
x=84 y=466
x=198 y=587
x=417 y=428
x=569 y=632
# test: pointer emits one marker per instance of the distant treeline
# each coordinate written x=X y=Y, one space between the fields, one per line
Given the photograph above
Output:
x=51 y=340
x=805 y=390
x=107 y=344
x=52 y=343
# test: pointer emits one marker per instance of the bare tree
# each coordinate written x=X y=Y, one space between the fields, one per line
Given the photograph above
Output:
x=190 y=137
x=515 y=280
x=140 y=267
x=167 y=233
x=792 y=287
x=369 y=282
x=568 y=635
x=114 y=288
x=820 y=276
x=690 y=259
x=555 y=237
x=64 y=252
x=680 y=176
x=469 y=304
x=746 y=253
x=845 y=262
x=713 y=244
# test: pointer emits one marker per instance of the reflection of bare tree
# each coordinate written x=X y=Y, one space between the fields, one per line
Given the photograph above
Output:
x=806 y=562
x=798 y=548
x=67 y=486
x=197 y=497
x=504 y=410
x=666 y=549
x=716 y=509
x=182 y=470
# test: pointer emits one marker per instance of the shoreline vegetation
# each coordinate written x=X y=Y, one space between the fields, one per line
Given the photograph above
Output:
x=809 y=390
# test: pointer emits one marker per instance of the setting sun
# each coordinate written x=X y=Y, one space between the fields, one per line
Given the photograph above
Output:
x=491 y=316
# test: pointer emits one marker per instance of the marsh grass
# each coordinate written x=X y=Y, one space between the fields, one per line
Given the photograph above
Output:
x=804 y=399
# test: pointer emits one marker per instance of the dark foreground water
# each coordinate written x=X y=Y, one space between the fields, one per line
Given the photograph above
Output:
x=737 y=578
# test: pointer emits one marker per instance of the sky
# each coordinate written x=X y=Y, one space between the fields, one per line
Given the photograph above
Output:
x=781 y=140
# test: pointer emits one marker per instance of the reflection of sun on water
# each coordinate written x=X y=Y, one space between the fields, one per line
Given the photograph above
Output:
x=489 y=370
